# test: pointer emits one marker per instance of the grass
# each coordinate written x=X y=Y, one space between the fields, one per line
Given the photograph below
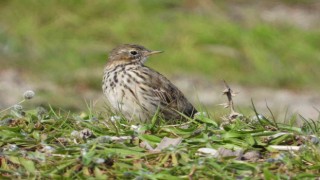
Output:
x=43 y=143
x=66 y=43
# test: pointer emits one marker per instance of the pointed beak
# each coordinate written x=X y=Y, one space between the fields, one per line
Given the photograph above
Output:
x=153 y=52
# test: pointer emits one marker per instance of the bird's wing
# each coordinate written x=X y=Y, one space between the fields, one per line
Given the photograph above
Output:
x=169 y=95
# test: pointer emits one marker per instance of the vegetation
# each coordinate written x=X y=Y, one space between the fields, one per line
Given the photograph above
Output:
x=66 y=42
x=43 y=143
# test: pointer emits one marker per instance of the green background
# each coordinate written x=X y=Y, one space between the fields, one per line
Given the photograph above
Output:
x=64 y=44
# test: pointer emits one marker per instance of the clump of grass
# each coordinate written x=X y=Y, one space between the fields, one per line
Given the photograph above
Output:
x=43 y=143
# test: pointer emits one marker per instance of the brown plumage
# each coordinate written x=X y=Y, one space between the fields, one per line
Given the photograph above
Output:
x=137 y=91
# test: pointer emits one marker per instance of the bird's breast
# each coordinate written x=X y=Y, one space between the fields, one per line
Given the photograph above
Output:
x=124 y=82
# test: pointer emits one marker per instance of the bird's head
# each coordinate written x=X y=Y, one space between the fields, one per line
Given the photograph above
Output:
x=129 y=53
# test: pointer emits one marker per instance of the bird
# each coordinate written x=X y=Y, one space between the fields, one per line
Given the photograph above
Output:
x=138 y=92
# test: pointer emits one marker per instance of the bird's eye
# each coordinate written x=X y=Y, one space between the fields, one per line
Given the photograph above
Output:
x=133 y=52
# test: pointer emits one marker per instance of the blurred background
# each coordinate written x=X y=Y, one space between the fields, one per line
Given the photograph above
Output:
x=266 y=50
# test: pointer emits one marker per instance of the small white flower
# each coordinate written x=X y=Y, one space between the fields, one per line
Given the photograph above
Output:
x=28 y=94
x=17 y=107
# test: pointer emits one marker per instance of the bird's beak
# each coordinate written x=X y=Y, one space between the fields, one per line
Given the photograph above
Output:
x=153 y=52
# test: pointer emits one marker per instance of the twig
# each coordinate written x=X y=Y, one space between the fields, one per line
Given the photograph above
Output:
x=229 y=93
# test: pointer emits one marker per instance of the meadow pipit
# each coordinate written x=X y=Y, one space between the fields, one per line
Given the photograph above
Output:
x=139 y=92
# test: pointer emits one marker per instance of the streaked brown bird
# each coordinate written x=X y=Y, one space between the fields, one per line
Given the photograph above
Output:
x=138 y=92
